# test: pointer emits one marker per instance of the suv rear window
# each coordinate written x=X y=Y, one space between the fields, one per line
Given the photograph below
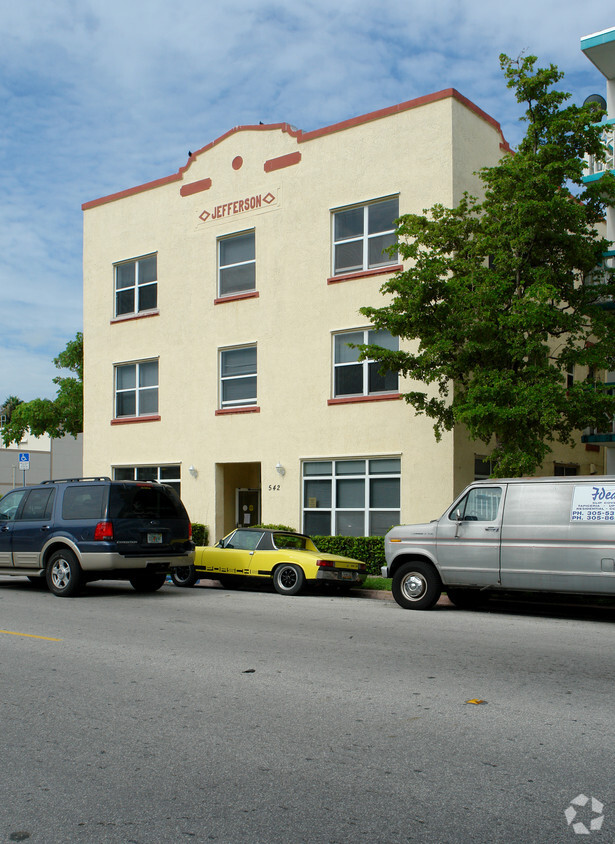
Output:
x=136 y=502
x=84 y=502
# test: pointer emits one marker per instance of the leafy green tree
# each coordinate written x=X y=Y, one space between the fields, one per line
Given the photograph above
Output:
x=59 y=417
x=496 y=295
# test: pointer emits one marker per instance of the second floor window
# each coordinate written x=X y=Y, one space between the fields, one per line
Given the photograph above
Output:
x=238 y=377
x=237 y=264
x=352 y=377
x=136 y=389
x=136 y=286
x=360 y=235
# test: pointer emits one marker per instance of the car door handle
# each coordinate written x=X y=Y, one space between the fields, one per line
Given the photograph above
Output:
x=4 y=529
x=492 y=529
x=45 y=528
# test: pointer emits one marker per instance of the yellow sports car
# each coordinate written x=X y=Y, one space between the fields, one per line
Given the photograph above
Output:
x=290 y=559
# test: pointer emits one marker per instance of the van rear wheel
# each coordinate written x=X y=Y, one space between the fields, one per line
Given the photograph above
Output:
x=416 y=586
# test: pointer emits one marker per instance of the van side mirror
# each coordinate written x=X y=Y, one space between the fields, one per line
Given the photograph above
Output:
x=458 y=514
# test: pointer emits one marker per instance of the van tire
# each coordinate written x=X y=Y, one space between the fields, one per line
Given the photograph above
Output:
x=64 y=576
x=416 y=586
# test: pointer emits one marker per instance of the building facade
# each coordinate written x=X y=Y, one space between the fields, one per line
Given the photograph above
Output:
x=48 y=460
x=221 y=310
x=600 y=50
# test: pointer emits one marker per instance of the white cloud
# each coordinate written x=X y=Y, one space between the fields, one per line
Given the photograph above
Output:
x=101 y=95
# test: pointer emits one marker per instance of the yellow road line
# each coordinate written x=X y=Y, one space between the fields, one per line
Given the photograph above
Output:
x=30 y=636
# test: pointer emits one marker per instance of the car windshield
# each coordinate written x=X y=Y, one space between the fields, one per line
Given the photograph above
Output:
x=290 y=540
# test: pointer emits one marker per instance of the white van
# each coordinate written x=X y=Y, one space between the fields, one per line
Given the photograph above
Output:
x=530 y=534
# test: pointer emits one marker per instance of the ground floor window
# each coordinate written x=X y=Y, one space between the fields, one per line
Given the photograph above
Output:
x=564 y=469
x=351 y=497
x=169 y=475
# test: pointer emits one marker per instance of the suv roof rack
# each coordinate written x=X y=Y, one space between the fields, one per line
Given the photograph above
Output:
x=72 y=480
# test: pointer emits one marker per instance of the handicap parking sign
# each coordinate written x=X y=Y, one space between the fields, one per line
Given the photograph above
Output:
x=24 y=460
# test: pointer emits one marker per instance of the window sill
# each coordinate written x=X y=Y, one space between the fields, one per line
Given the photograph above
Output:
x=129 y=317
x=228 y=411
x=254 y=294
x=363 y=399
x=392 y=268
x=130 y=420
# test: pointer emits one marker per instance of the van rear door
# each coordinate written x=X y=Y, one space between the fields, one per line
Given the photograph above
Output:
x=468 y=538
x=559 y=537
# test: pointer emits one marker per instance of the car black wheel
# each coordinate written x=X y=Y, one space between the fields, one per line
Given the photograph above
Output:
x=148 y=581
x=288 y=579
x=416 y=586
x=184 y=576
x=467 y=598
x=63 y=574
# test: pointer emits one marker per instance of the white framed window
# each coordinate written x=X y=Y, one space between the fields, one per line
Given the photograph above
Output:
x=351 y=497
x=136 y=389
x=238 y=377
x=237 y=264
x=136 y=285
x=361 y=233
x=170 y=474
x=352 y=377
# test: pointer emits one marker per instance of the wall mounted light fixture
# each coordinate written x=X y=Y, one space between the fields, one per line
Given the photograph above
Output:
x=194 y=472
x=280 y=469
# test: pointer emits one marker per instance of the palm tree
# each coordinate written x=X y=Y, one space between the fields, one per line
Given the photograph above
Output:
x=6 y=410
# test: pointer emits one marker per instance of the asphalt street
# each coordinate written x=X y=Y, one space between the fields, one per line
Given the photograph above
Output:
x=245 y=716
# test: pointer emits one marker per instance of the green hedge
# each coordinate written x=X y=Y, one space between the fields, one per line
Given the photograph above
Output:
x=200 y=533
x=368 y=549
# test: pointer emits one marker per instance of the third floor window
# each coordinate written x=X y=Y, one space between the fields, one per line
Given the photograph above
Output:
x=136 y=286
x=236 y=264
x=361 y=233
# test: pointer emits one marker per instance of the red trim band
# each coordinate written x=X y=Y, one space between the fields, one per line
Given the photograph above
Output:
x=282 y=161
x=130 y=317
x=228 y=411
x=195 y=187
x=132 y=419
x=302 y=137
x=236 y=297
x=362 y=399
x=393 y=268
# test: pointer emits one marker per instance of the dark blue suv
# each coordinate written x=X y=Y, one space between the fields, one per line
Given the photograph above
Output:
x=68 y=532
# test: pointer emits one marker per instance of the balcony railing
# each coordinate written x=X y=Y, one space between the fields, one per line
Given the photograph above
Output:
x=595 y=167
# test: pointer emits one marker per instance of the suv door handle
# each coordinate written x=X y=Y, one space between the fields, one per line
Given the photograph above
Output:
x=45 y=528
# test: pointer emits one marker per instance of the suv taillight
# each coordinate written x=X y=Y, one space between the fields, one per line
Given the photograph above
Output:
x=189 y=530
x=104 y=530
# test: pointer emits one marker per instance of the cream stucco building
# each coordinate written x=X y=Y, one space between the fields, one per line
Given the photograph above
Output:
x=219 y=306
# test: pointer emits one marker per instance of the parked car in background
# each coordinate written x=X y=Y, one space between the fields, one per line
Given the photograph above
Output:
x=554 y=535
x=289 y=559
x=67 y=532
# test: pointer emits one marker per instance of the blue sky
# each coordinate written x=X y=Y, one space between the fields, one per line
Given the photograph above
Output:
x=97 y=96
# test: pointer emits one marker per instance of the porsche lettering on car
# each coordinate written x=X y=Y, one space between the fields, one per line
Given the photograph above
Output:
x=289 y=559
